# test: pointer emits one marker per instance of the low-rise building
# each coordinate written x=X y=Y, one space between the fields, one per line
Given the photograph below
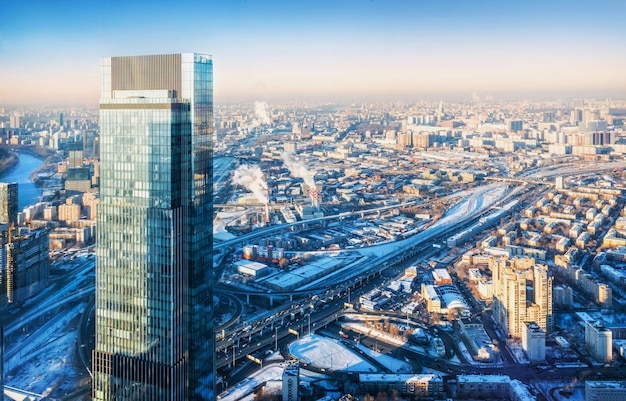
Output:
x=605 y=390
x=428 y=386
x=491 y=387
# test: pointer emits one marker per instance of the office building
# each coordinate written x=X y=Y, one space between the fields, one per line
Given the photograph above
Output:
x=605 y=390
x=516 y=125
x=522 y=292
x=534 y=342
x=291 y=381
x=74 y=154
x=8 y=203
x=154 y=277
x=77 y=181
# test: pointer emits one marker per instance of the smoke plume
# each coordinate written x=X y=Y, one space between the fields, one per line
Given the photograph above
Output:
x=260 y=110
x=252 y=179
x=261 y=116
x=298 y=169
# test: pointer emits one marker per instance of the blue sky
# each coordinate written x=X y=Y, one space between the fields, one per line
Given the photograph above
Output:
x=324 y=50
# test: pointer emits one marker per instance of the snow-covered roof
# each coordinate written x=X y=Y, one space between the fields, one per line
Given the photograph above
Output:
x=394 y=378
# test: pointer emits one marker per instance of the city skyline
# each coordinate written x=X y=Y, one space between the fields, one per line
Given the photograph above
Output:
x=283 y=51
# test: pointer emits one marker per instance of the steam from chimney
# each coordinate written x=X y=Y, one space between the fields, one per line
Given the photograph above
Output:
x=260 y=110
x=298 y=169
x=252 y=179
x=261 y=116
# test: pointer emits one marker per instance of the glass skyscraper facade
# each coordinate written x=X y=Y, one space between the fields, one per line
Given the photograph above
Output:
x=154 y=276
x=8 y=203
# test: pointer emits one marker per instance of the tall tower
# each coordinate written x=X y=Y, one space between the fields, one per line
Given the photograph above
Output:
x=154 y=276
x=8 y=203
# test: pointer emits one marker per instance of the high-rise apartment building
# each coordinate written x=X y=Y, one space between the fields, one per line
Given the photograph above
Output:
x=14 y=120
x=25 y=260
x=154 y=278
x=534 y=342
x=8 y=203
x=599 y=340
x=522 y=292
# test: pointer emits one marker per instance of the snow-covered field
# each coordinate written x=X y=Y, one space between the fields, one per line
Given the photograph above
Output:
x=393 y=364
x=48 y=359
x=43 y=360
x=328 y=353
x=245 y=387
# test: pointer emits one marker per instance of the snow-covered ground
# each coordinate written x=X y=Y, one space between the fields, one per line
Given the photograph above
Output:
x=47 y=360
x=393 y=364
x=245 y=387
x=553 y=388
x=44 y=359
x=385 y=337
x=318 y=351
x=328 y=353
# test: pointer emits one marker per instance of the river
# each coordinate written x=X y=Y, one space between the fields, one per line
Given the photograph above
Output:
x=27 y=192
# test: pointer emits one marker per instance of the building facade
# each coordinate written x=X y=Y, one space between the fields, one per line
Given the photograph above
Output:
x=605 y=390
x=426 y=386
x=534 y=342
x=522 y=292
x=27 y=265
x=154 y=277
x=491 y=387
x=8 y=203
x=291 y=381
x=599 y=341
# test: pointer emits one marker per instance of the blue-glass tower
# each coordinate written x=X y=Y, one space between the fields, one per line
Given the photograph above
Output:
x=154 y=278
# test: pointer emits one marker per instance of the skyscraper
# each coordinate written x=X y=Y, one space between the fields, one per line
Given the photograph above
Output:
x=154 y=278
x=8 y=202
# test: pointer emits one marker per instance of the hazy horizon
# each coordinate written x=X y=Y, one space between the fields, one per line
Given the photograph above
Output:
x=281 y=51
